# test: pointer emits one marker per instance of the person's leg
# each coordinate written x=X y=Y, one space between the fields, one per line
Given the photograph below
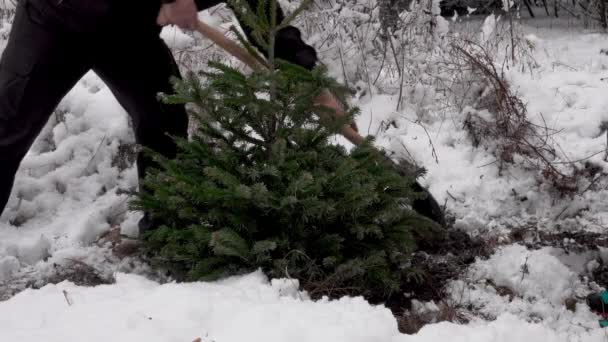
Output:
x=38 y=67
x=137 y=69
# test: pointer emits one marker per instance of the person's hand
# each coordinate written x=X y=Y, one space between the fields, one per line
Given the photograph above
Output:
x=182 y=13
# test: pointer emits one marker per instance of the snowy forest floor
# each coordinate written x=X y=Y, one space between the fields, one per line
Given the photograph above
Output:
x=74 y=186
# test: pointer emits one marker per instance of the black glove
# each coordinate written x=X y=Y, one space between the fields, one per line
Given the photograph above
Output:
x=290 y=47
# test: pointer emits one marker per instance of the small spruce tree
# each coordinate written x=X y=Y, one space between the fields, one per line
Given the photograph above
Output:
x=260 y=185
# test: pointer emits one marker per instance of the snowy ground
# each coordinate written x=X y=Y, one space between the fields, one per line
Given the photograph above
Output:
x=567 y=91
x=66 y=196
x=235 y=310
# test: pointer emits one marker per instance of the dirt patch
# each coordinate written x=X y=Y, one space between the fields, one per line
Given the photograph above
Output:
x=75 y=271
x=442 y=261
x=79 y=273
x=434 y=265
x=439 y=263
x=575 y=242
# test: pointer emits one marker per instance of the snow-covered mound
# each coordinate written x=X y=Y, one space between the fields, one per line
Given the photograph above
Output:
x=247 y=308
x=71 y=188
x=530 y=274
x=534 y=285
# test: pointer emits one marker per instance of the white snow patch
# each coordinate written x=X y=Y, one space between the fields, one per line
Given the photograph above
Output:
x=506 y=328
x=239 y=309
x=246 y=308
x=489 y=25
x=530 y=274
x=8 y=266
x=176 y=38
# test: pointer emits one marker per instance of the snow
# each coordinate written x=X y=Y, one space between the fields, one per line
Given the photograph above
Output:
x=135 y=309
x=66 y=196
x=538 y=294
x=242 y=308
x=505 y=328
x=489 y=25
x=176 y=38
x=507 y=5
x=247 y=308
x=566 y=91
x=528 y=273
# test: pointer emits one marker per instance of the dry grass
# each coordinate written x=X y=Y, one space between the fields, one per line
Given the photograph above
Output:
x=500 y=122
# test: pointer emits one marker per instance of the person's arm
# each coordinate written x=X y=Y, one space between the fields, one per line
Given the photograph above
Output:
x=289 y=45
x=182 y=13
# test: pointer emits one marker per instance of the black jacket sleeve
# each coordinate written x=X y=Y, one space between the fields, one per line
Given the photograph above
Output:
x=289 y=44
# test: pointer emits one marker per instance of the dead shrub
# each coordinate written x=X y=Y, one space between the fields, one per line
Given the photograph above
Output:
x=499 y=120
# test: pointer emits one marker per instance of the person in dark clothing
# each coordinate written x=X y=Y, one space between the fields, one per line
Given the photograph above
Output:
x=53 y=43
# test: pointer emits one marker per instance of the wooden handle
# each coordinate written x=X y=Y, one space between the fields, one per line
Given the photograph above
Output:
x=244 y=56
x=230 y=46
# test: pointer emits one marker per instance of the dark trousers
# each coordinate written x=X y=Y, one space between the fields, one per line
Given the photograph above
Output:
x=52 y=45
